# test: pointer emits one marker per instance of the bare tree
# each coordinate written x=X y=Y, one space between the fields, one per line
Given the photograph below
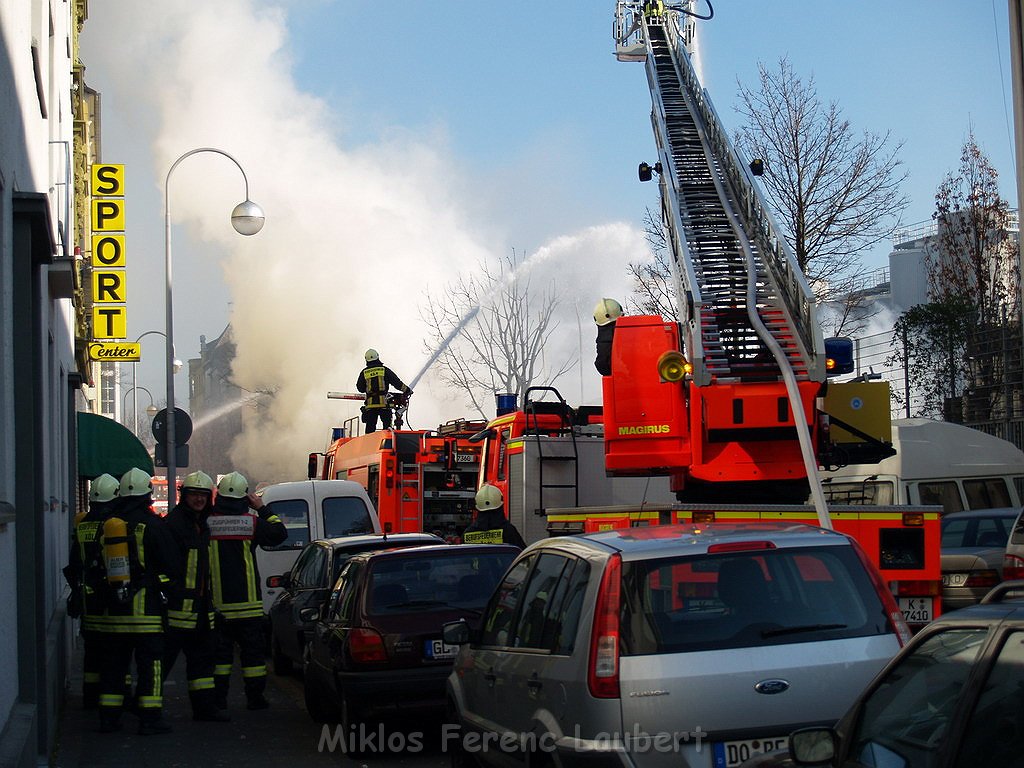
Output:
x=654 y=291
x=835 y=194
x=492 y=331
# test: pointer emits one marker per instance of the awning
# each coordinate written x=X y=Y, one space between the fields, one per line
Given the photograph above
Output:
x=106 y=446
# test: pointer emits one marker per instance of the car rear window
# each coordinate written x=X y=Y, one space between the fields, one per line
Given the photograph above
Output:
x=435 y=581
x=768 y=597
x=345 y=516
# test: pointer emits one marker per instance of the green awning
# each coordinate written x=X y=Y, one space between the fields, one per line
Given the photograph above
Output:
x=106 y=446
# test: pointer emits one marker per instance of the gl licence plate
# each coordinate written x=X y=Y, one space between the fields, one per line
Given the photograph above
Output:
x=954 y=579
x=916 y=610
x=729 y=754
x=438 y=649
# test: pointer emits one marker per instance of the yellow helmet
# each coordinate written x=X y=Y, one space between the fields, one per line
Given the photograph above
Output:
x=104 y=488
x=371 y=354
x=198 y=482
x=233 y=486
x=488 y=497
x=607 y=311
x=136 y=482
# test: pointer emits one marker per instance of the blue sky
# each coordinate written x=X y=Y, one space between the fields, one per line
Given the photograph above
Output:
x=396 y=146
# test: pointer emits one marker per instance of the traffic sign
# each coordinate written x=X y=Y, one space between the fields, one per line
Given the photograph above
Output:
x=182 y=426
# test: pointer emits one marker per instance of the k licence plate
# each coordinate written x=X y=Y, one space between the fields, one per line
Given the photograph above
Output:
x=916 y=610
x=438 y=649
x=954 y=579
x=731 y=753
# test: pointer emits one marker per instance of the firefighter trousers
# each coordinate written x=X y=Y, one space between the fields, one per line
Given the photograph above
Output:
x=248 y=634
x=115 y=664
x=197 y=645
x=92 y=648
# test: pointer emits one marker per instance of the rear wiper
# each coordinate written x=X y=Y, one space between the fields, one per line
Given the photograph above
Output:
x=421 y=603
x=802 y=628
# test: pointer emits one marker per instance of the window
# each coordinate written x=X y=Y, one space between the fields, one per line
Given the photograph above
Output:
x=504 y=604
x=995 y=732
x=560 y=635
x=942 y=492
x=538 y=600
x=300 y=565
x=975 y=532
x=987 y=493
x=314 y=569
x=345 y=515
x=869 y=493
x=904 y=719
x=294 y=513
x=343 y=598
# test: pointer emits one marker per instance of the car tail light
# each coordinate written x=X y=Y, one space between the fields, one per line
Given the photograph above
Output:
x=603 y=671
x=740 y=546
x=892 y=610
x=1013 y=567
x=365 y=645
x=986 y=578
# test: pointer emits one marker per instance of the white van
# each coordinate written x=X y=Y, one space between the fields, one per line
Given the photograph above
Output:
x=312 y=509
x=936 y=462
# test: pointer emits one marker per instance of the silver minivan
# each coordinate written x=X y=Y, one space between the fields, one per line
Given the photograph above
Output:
x=675 y=646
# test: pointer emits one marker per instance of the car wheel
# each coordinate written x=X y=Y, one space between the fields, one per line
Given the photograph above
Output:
x=282 y=664
x=457 y=754
x=350 y=720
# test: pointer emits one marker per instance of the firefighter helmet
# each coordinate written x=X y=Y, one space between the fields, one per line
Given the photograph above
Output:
x=607 y=311
x=371 y=355
x=488 y=497
x=233 y=486
x=136 y=482
x=197 y=482
x=104 y=488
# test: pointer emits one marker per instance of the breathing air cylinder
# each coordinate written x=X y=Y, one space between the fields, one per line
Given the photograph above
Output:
x=115 y=555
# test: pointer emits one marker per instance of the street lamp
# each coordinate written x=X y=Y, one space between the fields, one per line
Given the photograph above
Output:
x=176 y=365
x=247 y=219
x=151 y=409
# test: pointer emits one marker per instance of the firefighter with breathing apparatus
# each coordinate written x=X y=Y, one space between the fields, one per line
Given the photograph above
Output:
x=373 y=381
x=606 y=313
x=491 y=526
x=235 y=532
x=136 y=559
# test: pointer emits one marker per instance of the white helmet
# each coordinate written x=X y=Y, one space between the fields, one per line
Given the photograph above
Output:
x=136 y=482
x=199 y=482
x=104 y=488
x=607 y=311
x=233 y=486
x=488 y=497
x=371 y=354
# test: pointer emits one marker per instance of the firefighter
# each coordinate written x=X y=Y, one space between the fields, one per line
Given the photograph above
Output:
x=86 y=577
x=234 y=535
x=136 y=558
x=374 y=381
x=189 y=605
x=606 y=313
x=491 y=526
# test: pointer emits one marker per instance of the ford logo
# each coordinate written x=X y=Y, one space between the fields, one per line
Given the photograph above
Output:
x=769 y=687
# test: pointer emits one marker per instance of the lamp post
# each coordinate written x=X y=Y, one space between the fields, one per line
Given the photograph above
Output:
x=151 y=409
x=247 y=219
x=176 y=365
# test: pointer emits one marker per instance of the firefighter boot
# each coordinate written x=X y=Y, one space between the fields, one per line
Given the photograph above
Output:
x=151 y=726
x=204 y=707
x=110 y=720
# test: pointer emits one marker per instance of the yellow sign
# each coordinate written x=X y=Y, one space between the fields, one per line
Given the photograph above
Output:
x=108 y=286
x=108 y=215
x=107 y=251
x=110 y=322
x=115 y=351
x=107 y=181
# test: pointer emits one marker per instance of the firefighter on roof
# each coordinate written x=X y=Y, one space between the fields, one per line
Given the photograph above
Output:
x=136 y=558
x=189 y=604
x=374 y=381
x=491 y=526
x=234 y=535
x=87 y=579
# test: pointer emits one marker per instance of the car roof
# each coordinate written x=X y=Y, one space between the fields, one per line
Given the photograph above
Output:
x=995 y=512
x=361 y=540
x=440 y=549
x=695 y=538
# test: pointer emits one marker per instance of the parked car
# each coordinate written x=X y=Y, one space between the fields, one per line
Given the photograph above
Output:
x=973 y=546
x=309 y=582
x=1013 y=560
x=376 y=645
x=712 y=639
x=953 y=697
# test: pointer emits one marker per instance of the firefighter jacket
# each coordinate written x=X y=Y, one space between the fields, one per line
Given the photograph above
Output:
x=235 y=532
x=189 y=601
x=491 y=527
x=374 y=381
x=603 y=361
x=85 y=572
x=139 y=606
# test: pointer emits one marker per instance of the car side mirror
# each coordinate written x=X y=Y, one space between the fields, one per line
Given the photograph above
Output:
x=278 y=582
x=455 y=632
x=812 y=746
x=309 y=614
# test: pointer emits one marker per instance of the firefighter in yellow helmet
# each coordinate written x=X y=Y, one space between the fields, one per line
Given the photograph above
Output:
x=189 y=603
x=606 y=313
x=373 y=381
x=87 y=579
x=137 y=557
x=235 y=532
x=491 y=526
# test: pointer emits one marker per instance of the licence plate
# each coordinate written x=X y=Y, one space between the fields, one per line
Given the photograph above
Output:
x=954 y=579
x=438 y=649
x=731 y=753
x=916 y=610
x=465 y=458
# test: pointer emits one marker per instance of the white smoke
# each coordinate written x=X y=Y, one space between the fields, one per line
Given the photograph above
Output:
x=354 y=237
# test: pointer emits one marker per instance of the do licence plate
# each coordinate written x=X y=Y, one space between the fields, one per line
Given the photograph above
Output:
x=954 y=579
x=729 y=754
x=438 y=649
x=916 y=610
